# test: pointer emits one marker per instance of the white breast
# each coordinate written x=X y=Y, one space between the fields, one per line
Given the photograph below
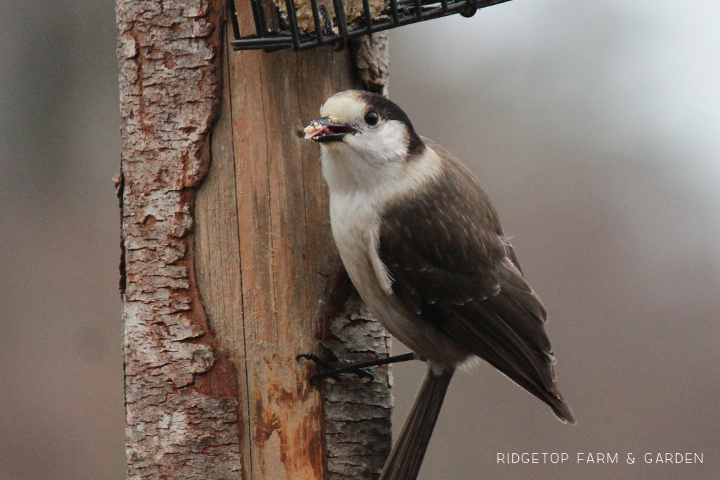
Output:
x=355 y=225
x=360 y=186
x=355 y=215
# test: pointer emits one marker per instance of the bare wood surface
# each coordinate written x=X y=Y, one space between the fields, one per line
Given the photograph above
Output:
x=265 y=262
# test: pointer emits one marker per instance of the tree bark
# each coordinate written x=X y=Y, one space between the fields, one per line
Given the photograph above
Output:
x=180 y=393
x=212 y=388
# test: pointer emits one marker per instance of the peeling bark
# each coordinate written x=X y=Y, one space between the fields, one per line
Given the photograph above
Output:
x=213 y=391
x=180 y=392
x=372 y=59
x=358 y=423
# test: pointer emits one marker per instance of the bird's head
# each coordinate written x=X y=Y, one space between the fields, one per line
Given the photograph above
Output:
x=364 y=135
x=366 y=122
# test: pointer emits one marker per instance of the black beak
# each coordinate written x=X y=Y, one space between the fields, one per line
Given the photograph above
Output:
x=325 y=130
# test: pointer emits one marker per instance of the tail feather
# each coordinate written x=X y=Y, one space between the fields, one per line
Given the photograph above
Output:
x=409 y=450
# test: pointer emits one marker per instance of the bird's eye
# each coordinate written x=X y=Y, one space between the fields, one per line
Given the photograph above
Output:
x=372 y=118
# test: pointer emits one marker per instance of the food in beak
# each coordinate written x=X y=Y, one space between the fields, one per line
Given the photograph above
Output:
x=315 y=129
x=325 y=130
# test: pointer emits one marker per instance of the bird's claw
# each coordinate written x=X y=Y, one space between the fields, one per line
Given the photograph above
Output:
x=333 y=365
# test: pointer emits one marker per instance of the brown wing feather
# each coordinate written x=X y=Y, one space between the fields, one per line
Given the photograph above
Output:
x=452 y=267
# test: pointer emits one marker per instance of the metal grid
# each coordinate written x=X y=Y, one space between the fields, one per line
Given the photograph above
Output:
x=336 y=31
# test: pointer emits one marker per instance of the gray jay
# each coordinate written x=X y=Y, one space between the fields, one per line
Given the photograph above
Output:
x=423 y=246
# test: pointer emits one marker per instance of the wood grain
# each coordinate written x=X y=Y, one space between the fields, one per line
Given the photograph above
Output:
x=266 y=261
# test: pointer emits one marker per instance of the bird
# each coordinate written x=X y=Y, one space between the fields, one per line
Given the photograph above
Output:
x=423 y=246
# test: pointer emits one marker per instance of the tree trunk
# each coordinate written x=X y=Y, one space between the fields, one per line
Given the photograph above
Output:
x=220 y=295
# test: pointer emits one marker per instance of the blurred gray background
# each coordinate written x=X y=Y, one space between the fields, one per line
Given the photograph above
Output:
x=595 y=127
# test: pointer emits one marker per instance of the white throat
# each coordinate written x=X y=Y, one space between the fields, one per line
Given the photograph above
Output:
x=347 y=171
x=350 y=173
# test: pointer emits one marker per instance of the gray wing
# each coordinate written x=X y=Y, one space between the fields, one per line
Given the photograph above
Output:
x=451 y=266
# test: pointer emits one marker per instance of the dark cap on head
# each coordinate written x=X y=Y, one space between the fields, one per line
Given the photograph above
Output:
x=388 y=110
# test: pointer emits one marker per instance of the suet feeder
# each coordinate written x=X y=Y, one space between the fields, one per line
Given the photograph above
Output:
x=305 y=24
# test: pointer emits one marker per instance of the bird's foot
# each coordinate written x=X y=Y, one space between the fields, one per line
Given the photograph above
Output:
x=333 y=365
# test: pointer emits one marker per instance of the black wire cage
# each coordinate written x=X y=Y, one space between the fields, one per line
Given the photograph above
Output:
x=287 y=31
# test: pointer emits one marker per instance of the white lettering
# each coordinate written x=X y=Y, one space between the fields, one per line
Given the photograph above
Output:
x=675 y=458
